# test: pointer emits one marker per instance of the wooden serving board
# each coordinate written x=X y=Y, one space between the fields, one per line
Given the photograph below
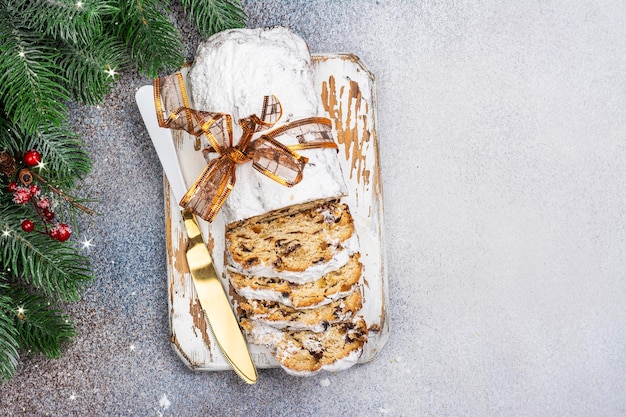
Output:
x=348 y=96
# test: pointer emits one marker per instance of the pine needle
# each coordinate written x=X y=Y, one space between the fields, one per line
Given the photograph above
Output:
x=155 y=44
x=8 y=333
x=41 y=327
x=31 y=88
x=212 y=16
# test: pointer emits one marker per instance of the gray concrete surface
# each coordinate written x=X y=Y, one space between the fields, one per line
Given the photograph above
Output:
x=503 y=141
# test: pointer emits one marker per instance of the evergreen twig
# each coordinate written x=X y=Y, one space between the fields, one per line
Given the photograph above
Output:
x=40 y=327
x=154 y=42
x=52 y=52
x=54 y=268
x=70 y=20
x=212 y=16
x=65 y=157
x=32 y=91
x=9 y=344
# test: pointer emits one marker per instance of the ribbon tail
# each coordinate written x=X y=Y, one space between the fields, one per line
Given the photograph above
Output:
x=277 y=161
x=207 y=195
x=172 y=109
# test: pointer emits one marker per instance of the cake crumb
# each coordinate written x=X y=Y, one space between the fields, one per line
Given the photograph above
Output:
x=325 y=382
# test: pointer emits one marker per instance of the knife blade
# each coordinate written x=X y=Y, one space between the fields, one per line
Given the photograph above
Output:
x=211 y=293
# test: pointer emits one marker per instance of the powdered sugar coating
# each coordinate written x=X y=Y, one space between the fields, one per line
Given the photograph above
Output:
x=232 y=72
x=234 y=69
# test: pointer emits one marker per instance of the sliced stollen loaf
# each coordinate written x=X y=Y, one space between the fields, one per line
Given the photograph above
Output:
x=291 y=253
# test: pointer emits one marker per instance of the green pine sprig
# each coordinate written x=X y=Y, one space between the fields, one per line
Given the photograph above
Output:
x=69 y=20
x=41 y=326
x=54 y=268
x=154 y=43
x=53 y=52
x=29 y=322
x=32 y=89
x=65 y=159
x=212 y=16
x=9 y=345
x=89 y=69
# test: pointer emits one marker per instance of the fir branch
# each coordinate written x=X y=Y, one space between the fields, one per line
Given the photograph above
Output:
x=9 y=344
x=54 y=268
x=31 y=89
x=50 y=52
x=91 y=67
x=71 y=20
x=40 y=327
x=212 y=16
x=154 y=43
x=65 y=157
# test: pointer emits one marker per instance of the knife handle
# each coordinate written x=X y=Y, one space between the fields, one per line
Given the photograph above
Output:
x=195 y=243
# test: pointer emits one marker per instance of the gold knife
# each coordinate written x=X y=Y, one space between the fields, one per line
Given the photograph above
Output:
x=211 y=293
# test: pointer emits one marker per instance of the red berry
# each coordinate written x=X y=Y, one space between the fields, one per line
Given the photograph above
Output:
x=64 y=233
x=34 y=189
x=48 y=214
x=12 y=186
x=32 y=158
x=63 y=236
x=28 y=225
x=21 y=195
x=44 y=203
x=60 y=232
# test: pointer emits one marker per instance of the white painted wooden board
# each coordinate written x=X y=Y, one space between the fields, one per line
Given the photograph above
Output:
x=348 y=96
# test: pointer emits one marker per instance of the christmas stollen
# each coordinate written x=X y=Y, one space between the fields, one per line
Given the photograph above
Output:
x=345 y=91
x=298 y=241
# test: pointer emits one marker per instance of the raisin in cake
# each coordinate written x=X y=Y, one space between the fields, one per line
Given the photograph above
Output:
x=291 y=254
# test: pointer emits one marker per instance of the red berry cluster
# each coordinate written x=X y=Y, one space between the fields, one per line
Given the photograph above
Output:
x=23 y=194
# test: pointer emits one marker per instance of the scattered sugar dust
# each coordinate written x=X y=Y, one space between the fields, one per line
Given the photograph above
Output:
x=164 y=404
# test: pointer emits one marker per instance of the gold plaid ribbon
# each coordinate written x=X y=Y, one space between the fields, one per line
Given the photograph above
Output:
x=268 y=155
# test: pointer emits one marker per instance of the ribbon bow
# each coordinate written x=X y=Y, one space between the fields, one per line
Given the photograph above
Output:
x=268 y=155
